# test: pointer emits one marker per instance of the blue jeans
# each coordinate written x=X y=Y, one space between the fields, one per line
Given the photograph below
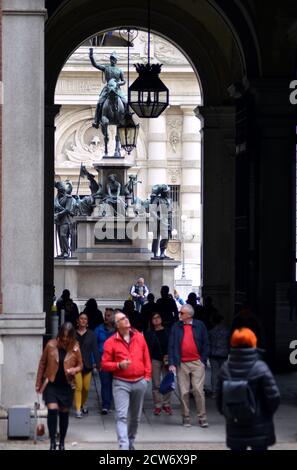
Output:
x=138 y=305
x=106 y=389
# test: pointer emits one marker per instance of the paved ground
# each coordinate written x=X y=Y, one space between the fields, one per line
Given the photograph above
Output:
x=97 y=432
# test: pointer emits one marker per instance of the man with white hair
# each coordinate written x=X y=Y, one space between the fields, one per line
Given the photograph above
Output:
x=139 y=293
x=188 y=351
x=126 y=355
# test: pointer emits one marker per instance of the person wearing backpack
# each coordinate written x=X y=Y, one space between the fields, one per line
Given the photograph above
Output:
x=247 y=395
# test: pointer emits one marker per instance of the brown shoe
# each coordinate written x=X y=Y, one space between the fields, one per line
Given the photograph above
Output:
x=186 y=422
x=203 y=423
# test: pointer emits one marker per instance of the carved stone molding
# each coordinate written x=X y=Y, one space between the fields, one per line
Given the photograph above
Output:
x=166 y=53
x=190 y=189
x=174 y=176
x=192 y=137
x=192 y=164
x=156 y=164
x=80 y=85
x=174 y=249
x=174 y=140
x=174 y=131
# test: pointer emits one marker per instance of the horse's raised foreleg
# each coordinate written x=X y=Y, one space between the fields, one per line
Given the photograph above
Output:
x=117 y=152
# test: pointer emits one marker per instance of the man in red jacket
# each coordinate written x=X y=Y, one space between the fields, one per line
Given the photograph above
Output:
x=126 y=355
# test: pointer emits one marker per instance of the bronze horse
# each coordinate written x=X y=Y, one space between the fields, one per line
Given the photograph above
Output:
x=113 y=111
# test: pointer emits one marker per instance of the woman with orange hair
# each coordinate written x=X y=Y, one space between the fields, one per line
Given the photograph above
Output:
x=247 y=395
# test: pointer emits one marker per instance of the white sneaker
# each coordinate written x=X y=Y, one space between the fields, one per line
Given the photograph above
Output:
x=78 y=414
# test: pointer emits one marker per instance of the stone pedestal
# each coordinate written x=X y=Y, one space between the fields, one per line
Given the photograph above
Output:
x=109 y=281
x=111 y=251
x=110 y=239
x=112 y=165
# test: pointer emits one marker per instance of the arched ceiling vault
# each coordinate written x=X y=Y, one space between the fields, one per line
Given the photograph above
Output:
x=203 y=29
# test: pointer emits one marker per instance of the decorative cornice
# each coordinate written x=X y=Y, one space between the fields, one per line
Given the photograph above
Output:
x=190 y=189
x=156 y=164
x=191 y=137
x=191 y=164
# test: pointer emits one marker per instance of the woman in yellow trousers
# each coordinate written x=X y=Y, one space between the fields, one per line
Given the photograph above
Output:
x=91 y=359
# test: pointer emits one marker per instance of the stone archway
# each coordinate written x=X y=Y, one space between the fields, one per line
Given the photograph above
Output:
x=28 y=166
x=214 y=74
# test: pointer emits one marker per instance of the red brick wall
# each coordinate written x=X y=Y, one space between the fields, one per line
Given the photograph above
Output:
x=1 y=156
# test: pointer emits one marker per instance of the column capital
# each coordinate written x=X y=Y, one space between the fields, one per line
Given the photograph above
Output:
x=218 y=120
x=216 y=116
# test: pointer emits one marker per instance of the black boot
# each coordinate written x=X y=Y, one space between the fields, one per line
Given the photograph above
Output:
x=53 y=445
x=64 y=417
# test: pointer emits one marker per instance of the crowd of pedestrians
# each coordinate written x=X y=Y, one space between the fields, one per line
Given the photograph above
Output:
x=144 y=341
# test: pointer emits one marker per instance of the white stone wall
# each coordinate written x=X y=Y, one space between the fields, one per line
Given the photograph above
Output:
x=168 y=148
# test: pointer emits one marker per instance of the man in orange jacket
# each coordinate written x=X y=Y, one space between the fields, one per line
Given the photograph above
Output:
x=126 y=355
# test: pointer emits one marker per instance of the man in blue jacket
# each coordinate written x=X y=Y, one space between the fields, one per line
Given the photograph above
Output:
x=188 y=351
x=102 y=333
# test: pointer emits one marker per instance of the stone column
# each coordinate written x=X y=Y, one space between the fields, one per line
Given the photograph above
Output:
x=218 y=205
x=190 y=192
x=51 y=112
x=276 y=212
x=22 y=322
x=157 y=164
x=1 y=102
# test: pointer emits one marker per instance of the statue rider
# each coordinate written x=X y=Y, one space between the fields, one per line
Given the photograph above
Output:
x=110 y=72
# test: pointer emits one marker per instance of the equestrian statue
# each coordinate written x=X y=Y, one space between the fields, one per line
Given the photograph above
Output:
x=112 y=102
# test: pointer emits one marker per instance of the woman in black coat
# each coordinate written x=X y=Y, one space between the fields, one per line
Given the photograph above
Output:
x=242 y=365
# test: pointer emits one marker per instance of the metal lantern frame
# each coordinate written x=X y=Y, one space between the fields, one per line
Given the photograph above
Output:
x=148 y=96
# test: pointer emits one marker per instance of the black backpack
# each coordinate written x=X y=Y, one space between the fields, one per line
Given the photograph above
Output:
x=239 y=402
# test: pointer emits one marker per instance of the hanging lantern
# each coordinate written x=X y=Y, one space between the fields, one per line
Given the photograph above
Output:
x=128 y=133
x=148 y=96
